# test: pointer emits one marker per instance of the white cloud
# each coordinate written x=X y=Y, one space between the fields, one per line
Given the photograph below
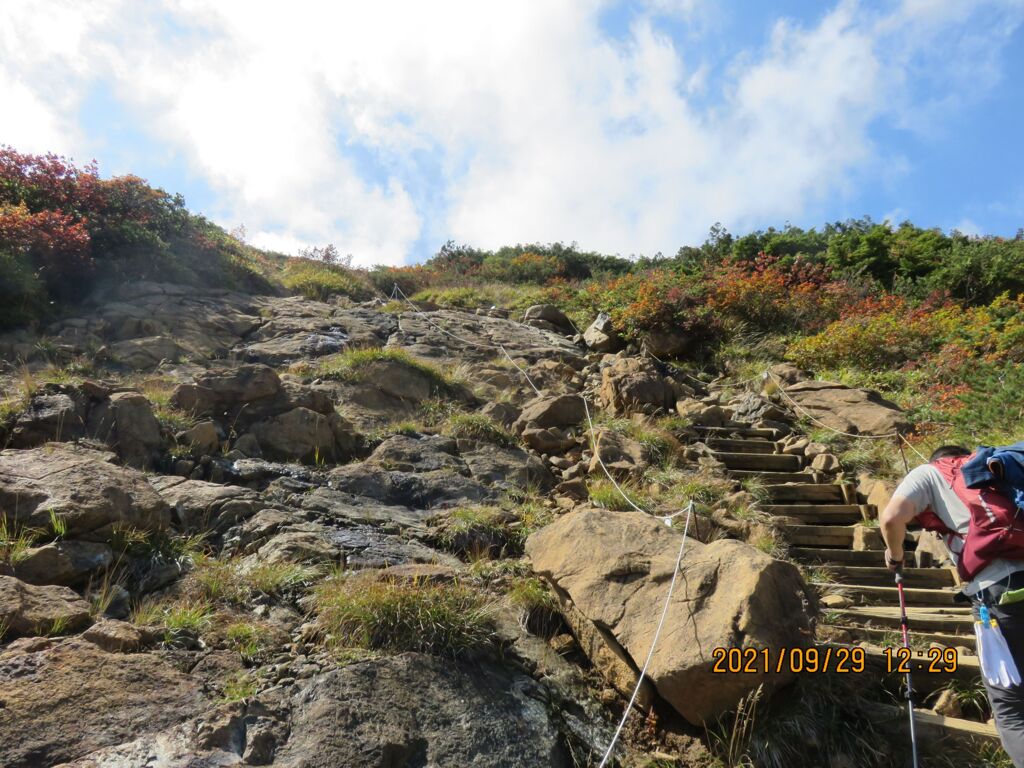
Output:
x=538 y=127
x=968 y=227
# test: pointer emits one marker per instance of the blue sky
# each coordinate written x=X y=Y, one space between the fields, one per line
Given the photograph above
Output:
x=629 y=127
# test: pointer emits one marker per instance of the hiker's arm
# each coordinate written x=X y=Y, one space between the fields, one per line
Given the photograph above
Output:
x=893 y=524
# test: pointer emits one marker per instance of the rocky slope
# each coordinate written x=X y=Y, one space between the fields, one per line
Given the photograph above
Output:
x=244 y=530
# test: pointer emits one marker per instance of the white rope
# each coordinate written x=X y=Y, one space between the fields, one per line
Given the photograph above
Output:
x=654 y=640
x=518 y=368
x=466 y=341
x=597 y=455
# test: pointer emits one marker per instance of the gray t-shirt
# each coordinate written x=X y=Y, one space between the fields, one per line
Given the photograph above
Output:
x=925 y=487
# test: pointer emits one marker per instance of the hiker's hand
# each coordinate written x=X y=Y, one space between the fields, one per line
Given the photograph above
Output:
x=893 y=562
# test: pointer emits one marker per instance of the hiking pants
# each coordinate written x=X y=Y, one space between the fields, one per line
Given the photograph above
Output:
x=1008 y=703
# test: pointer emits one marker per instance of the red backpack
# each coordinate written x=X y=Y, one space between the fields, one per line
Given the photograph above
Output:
x=996 y=527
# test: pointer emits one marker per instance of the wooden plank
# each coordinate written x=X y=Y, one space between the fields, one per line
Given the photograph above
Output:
x=919 y=619
x=817 y=513
x=926 y=578
x=764 y=462
x=741 y=446
x=744 y=431
x=818 y=535
x=771 y=478
x=805 y=492
x=840 y=556
x=889 y=595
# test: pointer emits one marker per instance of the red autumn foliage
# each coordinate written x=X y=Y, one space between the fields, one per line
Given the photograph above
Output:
x=56 y=244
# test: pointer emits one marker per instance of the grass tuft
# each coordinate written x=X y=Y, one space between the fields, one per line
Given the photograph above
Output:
x=443 y=619
x=476 y=426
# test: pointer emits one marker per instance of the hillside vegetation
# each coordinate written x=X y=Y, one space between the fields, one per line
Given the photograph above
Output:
x=932 y=320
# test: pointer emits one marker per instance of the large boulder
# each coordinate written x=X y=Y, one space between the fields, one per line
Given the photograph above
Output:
x=422 y=490
x=419 y=453
x=57 y=416
x=81 y=487
x=552 y=411
x=26 y=609
x=224 y=390
x=65 y=700
x=201 y=506
x=307 y=436
x=600 y=336
x=615 y=568
x=856 y=411
x=146 y=352
x=414 y=709
x=63 y=562
x=507 y=467
x=549 y=318
x=127 y=424
x=635 y=385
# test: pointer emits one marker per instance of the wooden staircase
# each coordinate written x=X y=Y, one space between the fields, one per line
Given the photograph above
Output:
x=818 y=517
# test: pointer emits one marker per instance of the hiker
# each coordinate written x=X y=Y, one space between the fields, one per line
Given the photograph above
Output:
x=940 y=496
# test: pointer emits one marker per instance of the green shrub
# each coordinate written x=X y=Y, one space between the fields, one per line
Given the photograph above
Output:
x=442 y=619
x=318 y=280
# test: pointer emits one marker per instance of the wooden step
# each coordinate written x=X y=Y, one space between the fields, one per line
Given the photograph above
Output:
x=771 y=478
x=954 y=621
x=841 y=556
x=889 y=596
x=819 y=535
x=935 y=726
x=763 y=462
x=935 y=731
x=806 y=492
x=926 y=675
x=913 y=578
x=737 y=431
x=817 y=513
x=740 y=446
x=889 y=636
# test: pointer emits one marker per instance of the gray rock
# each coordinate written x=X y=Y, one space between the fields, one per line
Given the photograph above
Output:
x=507 y=467
x=401 y=711
x=50 y=417
x=69 y=699
x=27 y=609
x=552 y=411
x=126 y=423
x=146 y=353
x=306 y=436
x=423 y=490
x=600 y=336
x=548 y=317
x=63 y=562
x=80 y=486
x=202 y=438
x=425 y=453
x=202 y=506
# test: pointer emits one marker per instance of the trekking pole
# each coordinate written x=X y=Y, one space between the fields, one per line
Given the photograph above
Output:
x=904 y=626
